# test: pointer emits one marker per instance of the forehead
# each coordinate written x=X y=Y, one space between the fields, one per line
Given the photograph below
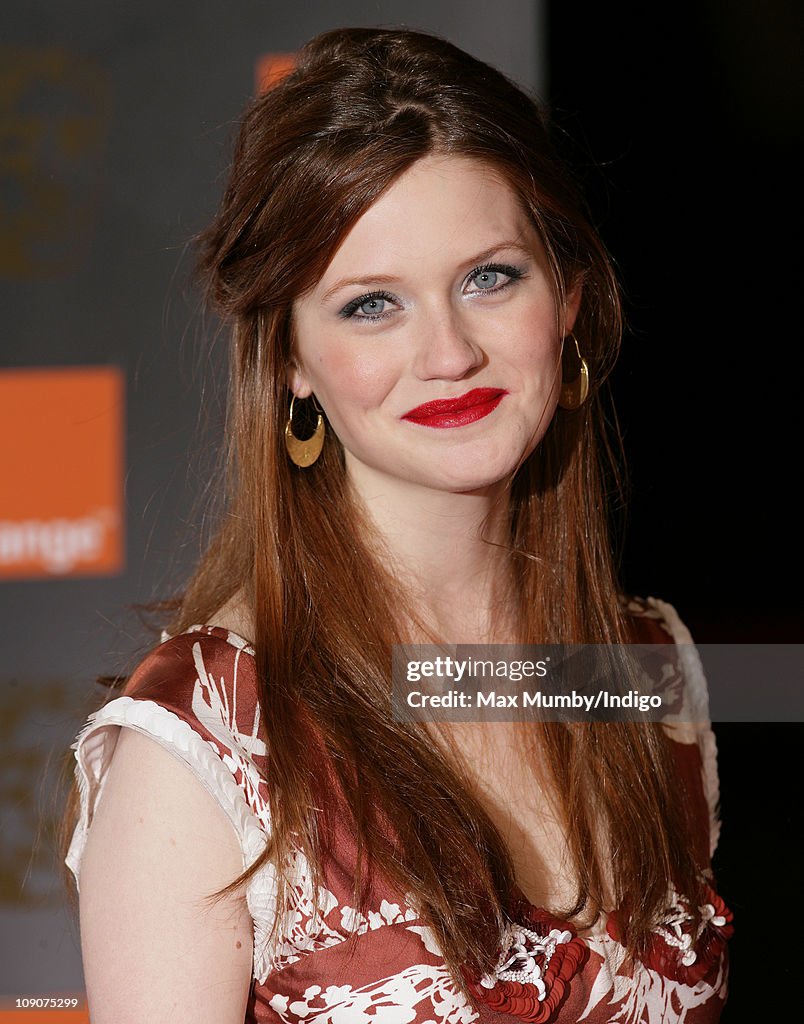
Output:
x=443 y=208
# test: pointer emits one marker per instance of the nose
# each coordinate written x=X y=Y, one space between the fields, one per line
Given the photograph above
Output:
x=446 y=349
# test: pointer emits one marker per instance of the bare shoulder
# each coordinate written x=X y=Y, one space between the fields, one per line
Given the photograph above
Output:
x=158 y=845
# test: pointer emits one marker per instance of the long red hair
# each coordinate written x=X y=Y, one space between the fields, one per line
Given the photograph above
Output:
x=313 y=154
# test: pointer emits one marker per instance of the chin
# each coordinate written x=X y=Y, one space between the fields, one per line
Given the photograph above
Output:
x=479 y=476
x=487 y=464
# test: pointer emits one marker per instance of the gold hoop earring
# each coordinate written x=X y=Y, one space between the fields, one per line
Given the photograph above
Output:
x=575 y=392
x=304 y=452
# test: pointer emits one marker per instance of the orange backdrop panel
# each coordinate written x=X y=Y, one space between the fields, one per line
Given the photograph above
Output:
x=271 y=68
x=61 y=471
x=44 y=1017
x=9 y=1014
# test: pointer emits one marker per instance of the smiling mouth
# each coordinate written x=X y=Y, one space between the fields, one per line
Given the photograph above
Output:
x=457 y=412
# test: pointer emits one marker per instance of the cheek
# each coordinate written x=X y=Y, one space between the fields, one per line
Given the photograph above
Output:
x=352 y=376
x=529 y=312
x=535 y=353
x=531 y=340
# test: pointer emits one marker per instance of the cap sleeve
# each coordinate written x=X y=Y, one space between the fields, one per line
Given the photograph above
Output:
x=196 y=696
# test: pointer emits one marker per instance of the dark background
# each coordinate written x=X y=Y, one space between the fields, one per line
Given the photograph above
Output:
x=686 y=122
x=686 y=128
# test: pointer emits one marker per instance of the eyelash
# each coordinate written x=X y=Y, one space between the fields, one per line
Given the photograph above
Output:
x=352 y=307
x=513 y=273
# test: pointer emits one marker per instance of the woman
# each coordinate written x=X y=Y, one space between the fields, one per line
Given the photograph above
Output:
x=421 y=320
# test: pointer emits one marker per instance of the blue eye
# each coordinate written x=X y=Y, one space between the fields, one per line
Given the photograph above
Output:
x=368 y=307
x=487 y=279
x=372 y=306
x=493 y=277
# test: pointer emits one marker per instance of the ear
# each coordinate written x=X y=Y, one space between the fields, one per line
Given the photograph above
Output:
x=573 y=303
x=297 y=380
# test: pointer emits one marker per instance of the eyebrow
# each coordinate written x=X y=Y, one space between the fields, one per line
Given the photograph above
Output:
x=366 y=280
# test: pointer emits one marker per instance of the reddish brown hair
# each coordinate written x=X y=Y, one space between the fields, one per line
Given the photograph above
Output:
x=313 y=154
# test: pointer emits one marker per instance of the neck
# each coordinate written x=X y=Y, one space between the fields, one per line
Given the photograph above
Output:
x=449 y=551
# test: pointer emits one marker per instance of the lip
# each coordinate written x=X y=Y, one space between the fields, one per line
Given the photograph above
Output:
x=457 y=412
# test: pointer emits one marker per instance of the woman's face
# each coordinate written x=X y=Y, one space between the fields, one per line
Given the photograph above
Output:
x=432 y=340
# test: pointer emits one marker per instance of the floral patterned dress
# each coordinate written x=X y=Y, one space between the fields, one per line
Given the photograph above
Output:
x=195 y=695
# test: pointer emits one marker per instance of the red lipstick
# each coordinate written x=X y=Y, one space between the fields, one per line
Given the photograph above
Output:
x=457 y=412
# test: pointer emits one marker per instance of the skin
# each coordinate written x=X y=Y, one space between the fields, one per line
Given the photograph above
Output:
x=153 y=949
x=159 y=842
x=433 y=495
x=435 y=332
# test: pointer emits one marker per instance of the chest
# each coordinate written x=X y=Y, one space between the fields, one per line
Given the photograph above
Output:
x=513 y=784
